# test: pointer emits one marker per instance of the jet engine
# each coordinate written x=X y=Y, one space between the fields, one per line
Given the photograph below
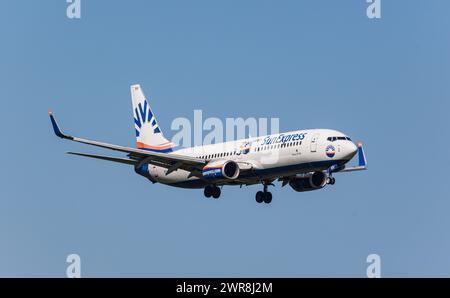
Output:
x=144 y=170
x=220 y=169
x=307 y=182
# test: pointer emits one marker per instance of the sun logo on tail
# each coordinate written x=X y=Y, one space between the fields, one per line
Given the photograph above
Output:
x=143 y=115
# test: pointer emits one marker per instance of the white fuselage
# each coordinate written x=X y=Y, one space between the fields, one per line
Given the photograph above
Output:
x=265 y=158
x=305 y=159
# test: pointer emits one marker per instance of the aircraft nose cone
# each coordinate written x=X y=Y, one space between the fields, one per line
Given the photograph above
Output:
x=350 y=150
x=354 y=148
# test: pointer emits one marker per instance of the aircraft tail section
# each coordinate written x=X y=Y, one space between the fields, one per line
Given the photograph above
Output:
x=148 y=133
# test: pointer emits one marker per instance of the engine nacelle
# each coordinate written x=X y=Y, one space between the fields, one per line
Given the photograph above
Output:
x=221 y=169
x=144 y=170
x=310 y=181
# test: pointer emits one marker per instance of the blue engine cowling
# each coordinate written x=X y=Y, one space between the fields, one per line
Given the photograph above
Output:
x=144 y=170
x=221 y=169
x=307 y=182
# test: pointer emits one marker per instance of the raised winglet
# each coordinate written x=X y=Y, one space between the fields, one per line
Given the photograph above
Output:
x=362 y=162
x=56 y=128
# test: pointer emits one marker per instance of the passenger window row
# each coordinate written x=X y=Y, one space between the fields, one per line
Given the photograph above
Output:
x=256 y=149
x=277 y=146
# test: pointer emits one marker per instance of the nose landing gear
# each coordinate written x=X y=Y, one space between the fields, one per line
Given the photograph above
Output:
x=331 y=180
x=212 y=191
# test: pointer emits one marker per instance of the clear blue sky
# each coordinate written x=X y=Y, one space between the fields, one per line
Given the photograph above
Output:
x=313 y=64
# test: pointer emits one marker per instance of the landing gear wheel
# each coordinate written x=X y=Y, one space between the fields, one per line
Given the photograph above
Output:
x=264 y=196
x=267 y=197
x=331 y=180
x=208 y=192
x=259 y=197
x=216 y=192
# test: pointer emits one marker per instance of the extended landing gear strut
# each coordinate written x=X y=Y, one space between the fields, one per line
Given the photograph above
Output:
x=212 y=191
x=264 y=196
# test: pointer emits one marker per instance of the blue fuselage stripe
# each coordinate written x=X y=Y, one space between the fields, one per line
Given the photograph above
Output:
x=161 y=150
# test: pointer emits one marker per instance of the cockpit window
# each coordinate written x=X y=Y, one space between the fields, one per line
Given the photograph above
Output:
x=332 y=139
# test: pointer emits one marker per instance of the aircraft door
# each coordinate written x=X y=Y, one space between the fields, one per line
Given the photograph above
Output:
x=314 y=139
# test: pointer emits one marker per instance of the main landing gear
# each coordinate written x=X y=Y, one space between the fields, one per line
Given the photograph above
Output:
x=212 y=191
x=264 y=196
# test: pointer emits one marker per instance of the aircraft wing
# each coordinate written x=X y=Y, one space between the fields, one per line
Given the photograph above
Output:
x=136 y=156
x=128 y=161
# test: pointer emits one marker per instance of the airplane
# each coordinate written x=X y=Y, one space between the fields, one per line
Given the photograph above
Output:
x=305 y=159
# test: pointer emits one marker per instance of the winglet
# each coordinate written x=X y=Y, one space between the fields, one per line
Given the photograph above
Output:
x=56 y=128
x=362 y=162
